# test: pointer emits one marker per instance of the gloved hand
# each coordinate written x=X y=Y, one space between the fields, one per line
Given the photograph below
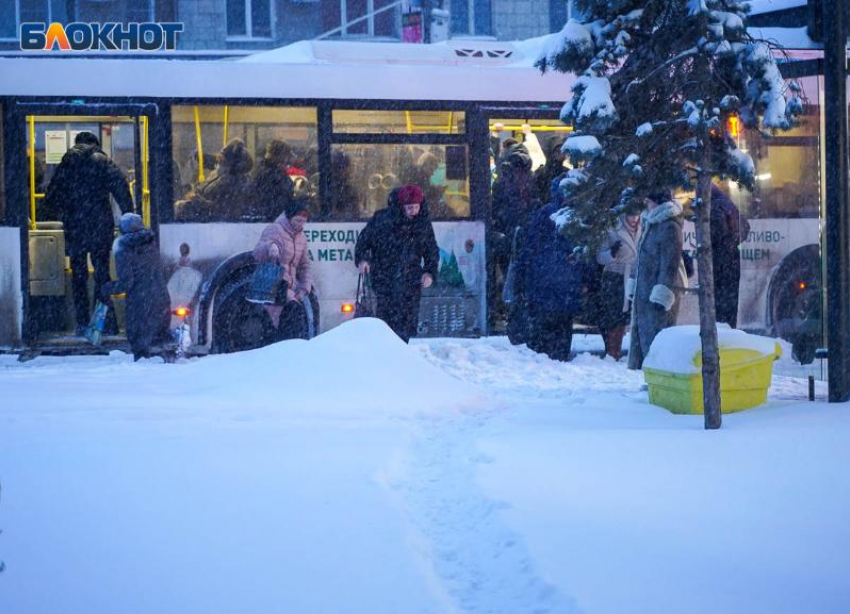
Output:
x=615 y=248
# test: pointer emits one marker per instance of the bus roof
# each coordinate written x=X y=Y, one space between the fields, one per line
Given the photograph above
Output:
x=456 y=71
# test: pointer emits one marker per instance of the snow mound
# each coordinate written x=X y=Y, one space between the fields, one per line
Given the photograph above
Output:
x=675 y=349
x=358 y=368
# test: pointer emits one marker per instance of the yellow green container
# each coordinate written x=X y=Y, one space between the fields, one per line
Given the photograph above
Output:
x=745 y=376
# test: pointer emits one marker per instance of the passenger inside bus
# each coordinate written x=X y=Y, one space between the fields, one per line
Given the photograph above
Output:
x=273 y=187
x=228 y=194
x=344 y=202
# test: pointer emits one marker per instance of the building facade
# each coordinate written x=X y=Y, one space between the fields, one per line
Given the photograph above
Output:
x=250 y=25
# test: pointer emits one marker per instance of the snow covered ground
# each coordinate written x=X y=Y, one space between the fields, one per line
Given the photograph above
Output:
x=355 y=474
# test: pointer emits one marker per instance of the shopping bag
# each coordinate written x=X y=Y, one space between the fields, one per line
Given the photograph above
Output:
x=364 y=305
x=265 y=284
x=94 y=331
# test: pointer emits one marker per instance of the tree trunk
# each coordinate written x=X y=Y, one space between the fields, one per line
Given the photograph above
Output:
x=707 y=313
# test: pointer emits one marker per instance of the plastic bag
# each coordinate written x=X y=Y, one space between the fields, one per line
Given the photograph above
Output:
x=265 y=284
x=94 y=331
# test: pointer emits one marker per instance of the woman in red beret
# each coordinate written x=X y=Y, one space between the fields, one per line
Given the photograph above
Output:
x=398 y=249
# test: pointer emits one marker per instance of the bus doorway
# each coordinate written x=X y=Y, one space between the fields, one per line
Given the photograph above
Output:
x=525 y=157
x=52 y=303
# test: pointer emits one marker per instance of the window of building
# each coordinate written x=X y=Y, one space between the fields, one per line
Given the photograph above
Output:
x=216 y=179
x=366 y=18
x=363 y=175
x=15 y=12
x=399 y=122
x=471 y=17
x=123 y=11
x=249 y=18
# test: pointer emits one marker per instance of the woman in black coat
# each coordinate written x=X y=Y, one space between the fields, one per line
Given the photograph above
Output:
x=140 y=276
x=398 y=248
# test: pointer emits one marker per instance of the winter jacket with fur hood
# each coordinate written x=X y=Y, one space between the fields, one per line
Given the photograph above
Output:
x=658 y=277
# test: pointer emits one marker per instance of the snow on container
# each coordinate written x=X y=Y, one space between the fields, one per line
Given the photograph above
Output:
x=673 y=369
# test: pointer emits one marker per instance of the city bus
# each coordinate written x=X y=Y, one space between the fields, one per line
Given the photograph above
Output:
x=361 y=119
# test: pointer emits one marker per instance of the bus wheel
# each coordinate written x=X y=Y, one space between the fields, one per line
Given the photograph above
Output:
x=237 y=324
x=795 y=292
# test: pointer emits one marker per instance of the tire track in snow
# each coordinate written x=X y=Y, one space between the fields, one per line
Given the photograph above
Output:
x=483 y=565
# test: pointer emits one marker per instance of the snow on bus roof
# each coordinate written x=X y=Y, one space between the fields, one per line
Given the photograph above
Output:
x=94 y=78
x=456 y=52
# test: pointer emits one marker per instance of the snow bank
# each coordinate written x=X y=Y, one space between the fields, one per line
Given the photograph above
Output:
x=358 y=369
x=675 y=349
x=360 y=366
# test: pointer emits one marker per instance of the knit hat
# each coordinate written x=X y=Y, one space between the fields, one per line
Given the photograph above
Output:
x=410 y=194
x=299 y=204
x=130 y=222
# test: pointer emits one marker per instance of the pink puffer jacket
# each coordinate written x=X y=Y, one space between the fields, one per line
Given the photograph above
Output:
x=294 y=258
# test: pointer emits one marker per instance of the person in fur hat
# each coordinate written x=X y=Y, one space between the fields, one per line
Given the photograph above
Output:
x=658 y=276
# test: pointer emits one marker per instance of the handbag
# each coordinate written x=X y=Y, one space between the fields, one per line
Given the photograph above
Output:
x=266 y=283
x=94 y=331
x=364 y=304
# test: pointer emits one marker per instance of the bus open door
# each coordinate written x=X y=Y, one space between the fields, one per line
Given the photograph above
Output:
x=124 y=139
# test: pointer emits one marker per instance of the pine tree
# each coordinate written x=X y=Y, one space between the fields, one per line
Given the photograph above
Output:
x=657 y=81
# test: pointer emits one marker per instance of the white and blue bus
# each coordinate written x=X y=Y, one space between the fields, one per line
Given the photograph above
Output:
x=359 y=115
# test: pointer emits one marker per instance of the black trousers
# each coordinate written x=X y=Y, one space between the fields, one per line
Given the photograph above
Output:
x=293 y=322
x=80 y=278
x=401 y=313
x=550 y=334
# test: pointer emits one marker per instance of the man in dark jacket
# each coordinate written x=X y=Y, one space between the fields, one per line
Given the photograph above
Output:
x=398 y=248
x=550 y=278
x=79 y=194
x=514 y=191
x=554 y=167
x=273 y=188
x=728 y=230
x=141 y=277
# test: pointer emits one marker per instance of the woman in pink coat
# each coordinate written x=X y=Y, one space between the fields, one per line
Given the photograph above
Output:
x=283 y=241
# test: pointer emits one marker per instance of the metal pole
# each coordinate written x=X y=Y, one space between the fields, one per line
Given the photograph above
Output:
x=837 y=215
x=426 y=21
